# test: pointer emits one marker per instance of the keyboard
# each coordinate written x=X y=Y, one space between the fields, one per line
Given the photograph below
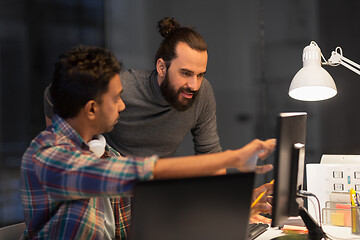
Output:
x=255 y=229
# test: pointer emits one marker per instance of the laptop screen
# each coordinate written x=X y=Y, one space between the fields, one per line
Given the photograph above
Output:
x=215 y=207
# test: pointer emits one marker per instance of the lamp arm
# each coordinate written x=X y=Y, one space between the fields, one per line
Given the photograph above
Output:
x=346 y=62
x=337 y=58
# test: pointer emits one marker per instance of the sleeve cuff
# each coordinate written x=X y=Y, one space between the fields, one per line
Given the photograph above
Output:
x=146 y=170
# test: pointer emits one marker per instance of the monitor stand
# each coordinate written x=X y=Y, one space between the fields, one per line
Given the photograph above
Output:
x=315 y=231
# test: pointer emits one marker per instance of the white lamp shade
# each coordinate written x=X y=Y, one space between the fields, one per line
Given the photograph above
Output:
x=312 y=82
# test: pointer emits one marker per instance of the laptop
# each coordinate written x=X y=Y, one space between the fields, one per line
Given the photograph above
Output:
x=214 y=207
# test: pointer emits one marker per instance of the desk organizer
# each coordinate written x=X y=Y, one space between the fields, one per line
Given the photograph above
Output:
x=337 y=214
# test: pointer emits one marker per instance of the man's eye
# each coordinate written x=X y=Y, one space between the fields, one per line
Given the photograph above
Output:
x=186 y=74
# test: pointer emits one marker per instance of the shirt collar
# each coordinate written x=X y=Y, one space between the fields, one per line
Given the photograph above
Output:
x=61 y=125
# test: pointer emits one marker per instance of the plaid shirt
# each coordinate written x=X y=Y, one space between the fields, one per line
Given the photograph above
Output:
x=62 y=184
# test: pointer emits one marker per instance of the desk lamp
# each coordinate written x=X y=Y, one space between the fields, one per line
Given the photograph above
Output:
x=314 y=83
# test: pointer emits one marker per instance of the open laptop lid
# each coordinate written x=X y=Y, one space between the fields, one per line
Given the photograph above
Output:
x=215 y=207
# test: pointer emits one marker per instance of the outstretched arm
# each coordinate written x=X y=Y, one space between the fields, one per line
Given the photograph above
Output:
x=209 y=164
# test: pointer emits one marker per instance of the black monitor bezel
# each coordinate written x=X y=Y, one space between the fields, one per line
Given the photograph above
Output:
x=289 y=162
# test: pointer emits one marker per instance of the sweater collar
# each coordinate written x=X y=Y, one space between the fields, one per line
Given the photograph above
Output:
x=155 y=88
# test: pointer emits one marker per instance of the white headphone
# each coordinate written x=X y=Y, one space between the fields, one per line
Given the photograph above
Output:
x=97 y=145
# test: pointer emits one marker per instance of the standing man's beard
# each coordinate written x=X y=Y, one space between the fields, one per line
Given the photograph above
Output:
x=172 y=96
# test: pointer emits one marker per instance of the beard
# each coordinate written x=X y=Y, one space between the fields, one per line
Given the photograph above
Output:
x=173 y=96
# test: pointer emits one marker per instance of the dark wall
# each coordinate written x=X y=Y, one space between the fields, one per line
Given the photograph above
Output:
x=32 y=35
x=341 y=130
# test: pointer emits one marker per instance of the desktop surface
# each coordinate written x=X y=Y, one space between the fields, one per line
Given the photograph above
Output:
x=334 y=232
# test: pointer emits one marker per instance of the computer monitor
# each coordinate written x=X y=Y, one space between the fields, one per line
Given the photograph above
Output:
x=289 y=173
x=288 y=165
x=211 y=207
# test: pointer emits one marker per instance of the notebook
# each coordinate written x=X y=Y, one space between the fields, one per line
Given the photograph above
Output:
x=215 y=207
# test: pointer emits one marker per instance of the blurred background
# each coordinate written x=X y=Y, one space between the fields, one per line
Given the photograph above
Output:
x=255 y=48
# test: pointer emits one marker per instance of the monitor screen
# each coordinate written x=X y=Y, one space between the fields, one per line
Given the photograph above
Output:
x=212 y=207
x=288 y=165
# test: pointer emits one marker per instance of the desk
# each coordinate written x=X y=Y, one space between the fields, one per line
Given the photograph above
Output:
x=270 y=233
x=332 y=231
x=339 y=232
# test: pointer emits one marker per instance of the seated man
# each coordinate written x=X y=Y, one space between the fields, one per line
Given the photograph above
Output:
x=67 y=191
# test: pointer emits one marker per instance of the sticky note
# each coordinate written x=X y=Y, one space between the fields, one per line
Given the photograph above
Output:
x=337 y=219
x=294 y=229
x=346 y=212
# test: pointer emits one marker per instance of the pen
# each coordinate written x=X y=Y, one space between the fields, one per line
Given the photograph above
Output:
x=353 y=201
x=357 y=199
x=260 y=196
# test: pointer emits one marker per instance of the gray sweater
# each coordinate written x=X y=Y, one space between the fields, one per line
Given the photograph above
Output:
x=149 y=125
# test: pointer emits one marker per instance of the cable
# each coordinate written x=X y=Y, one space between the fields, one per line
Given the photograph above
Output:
x=311 y=202
x=309 y=194
x=325 y=62
x=303 y=193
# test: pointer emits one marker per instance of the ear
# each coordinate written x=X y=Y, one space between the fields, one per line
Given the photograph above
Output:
x=161 y=67
x=91 y=108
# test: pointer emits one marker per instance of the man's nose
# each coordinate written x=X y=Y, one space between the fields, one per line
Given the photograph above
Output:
x=121 y=106
x=193 y=83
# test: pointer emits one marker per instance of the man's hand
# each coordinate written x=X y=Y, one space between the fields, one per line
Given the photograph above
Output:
x=257 y=218
x=263 y=204
x=263 y=169
x=249 y=154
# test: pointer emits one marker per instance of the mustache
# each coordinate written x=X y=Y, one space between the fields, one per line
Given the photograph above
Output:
x=188 y=90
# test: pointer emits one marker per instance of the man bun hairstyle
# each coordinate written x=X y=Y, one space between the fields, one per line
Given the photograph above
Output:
x=173 y=33
x=82 y=74
x=166 y=25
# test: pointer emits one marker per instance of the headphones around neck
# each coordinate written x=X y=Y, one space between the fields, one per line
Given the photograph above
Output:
x=97 y=145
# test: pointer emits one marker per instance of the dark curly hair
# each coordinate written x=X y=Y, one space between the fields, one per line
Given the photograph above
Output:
x=173 y=33
x=81 y=74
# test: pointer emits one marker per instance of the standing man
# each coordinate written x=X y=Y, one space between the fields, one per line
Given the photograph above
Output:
x=67 y=191
x=164 y=104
